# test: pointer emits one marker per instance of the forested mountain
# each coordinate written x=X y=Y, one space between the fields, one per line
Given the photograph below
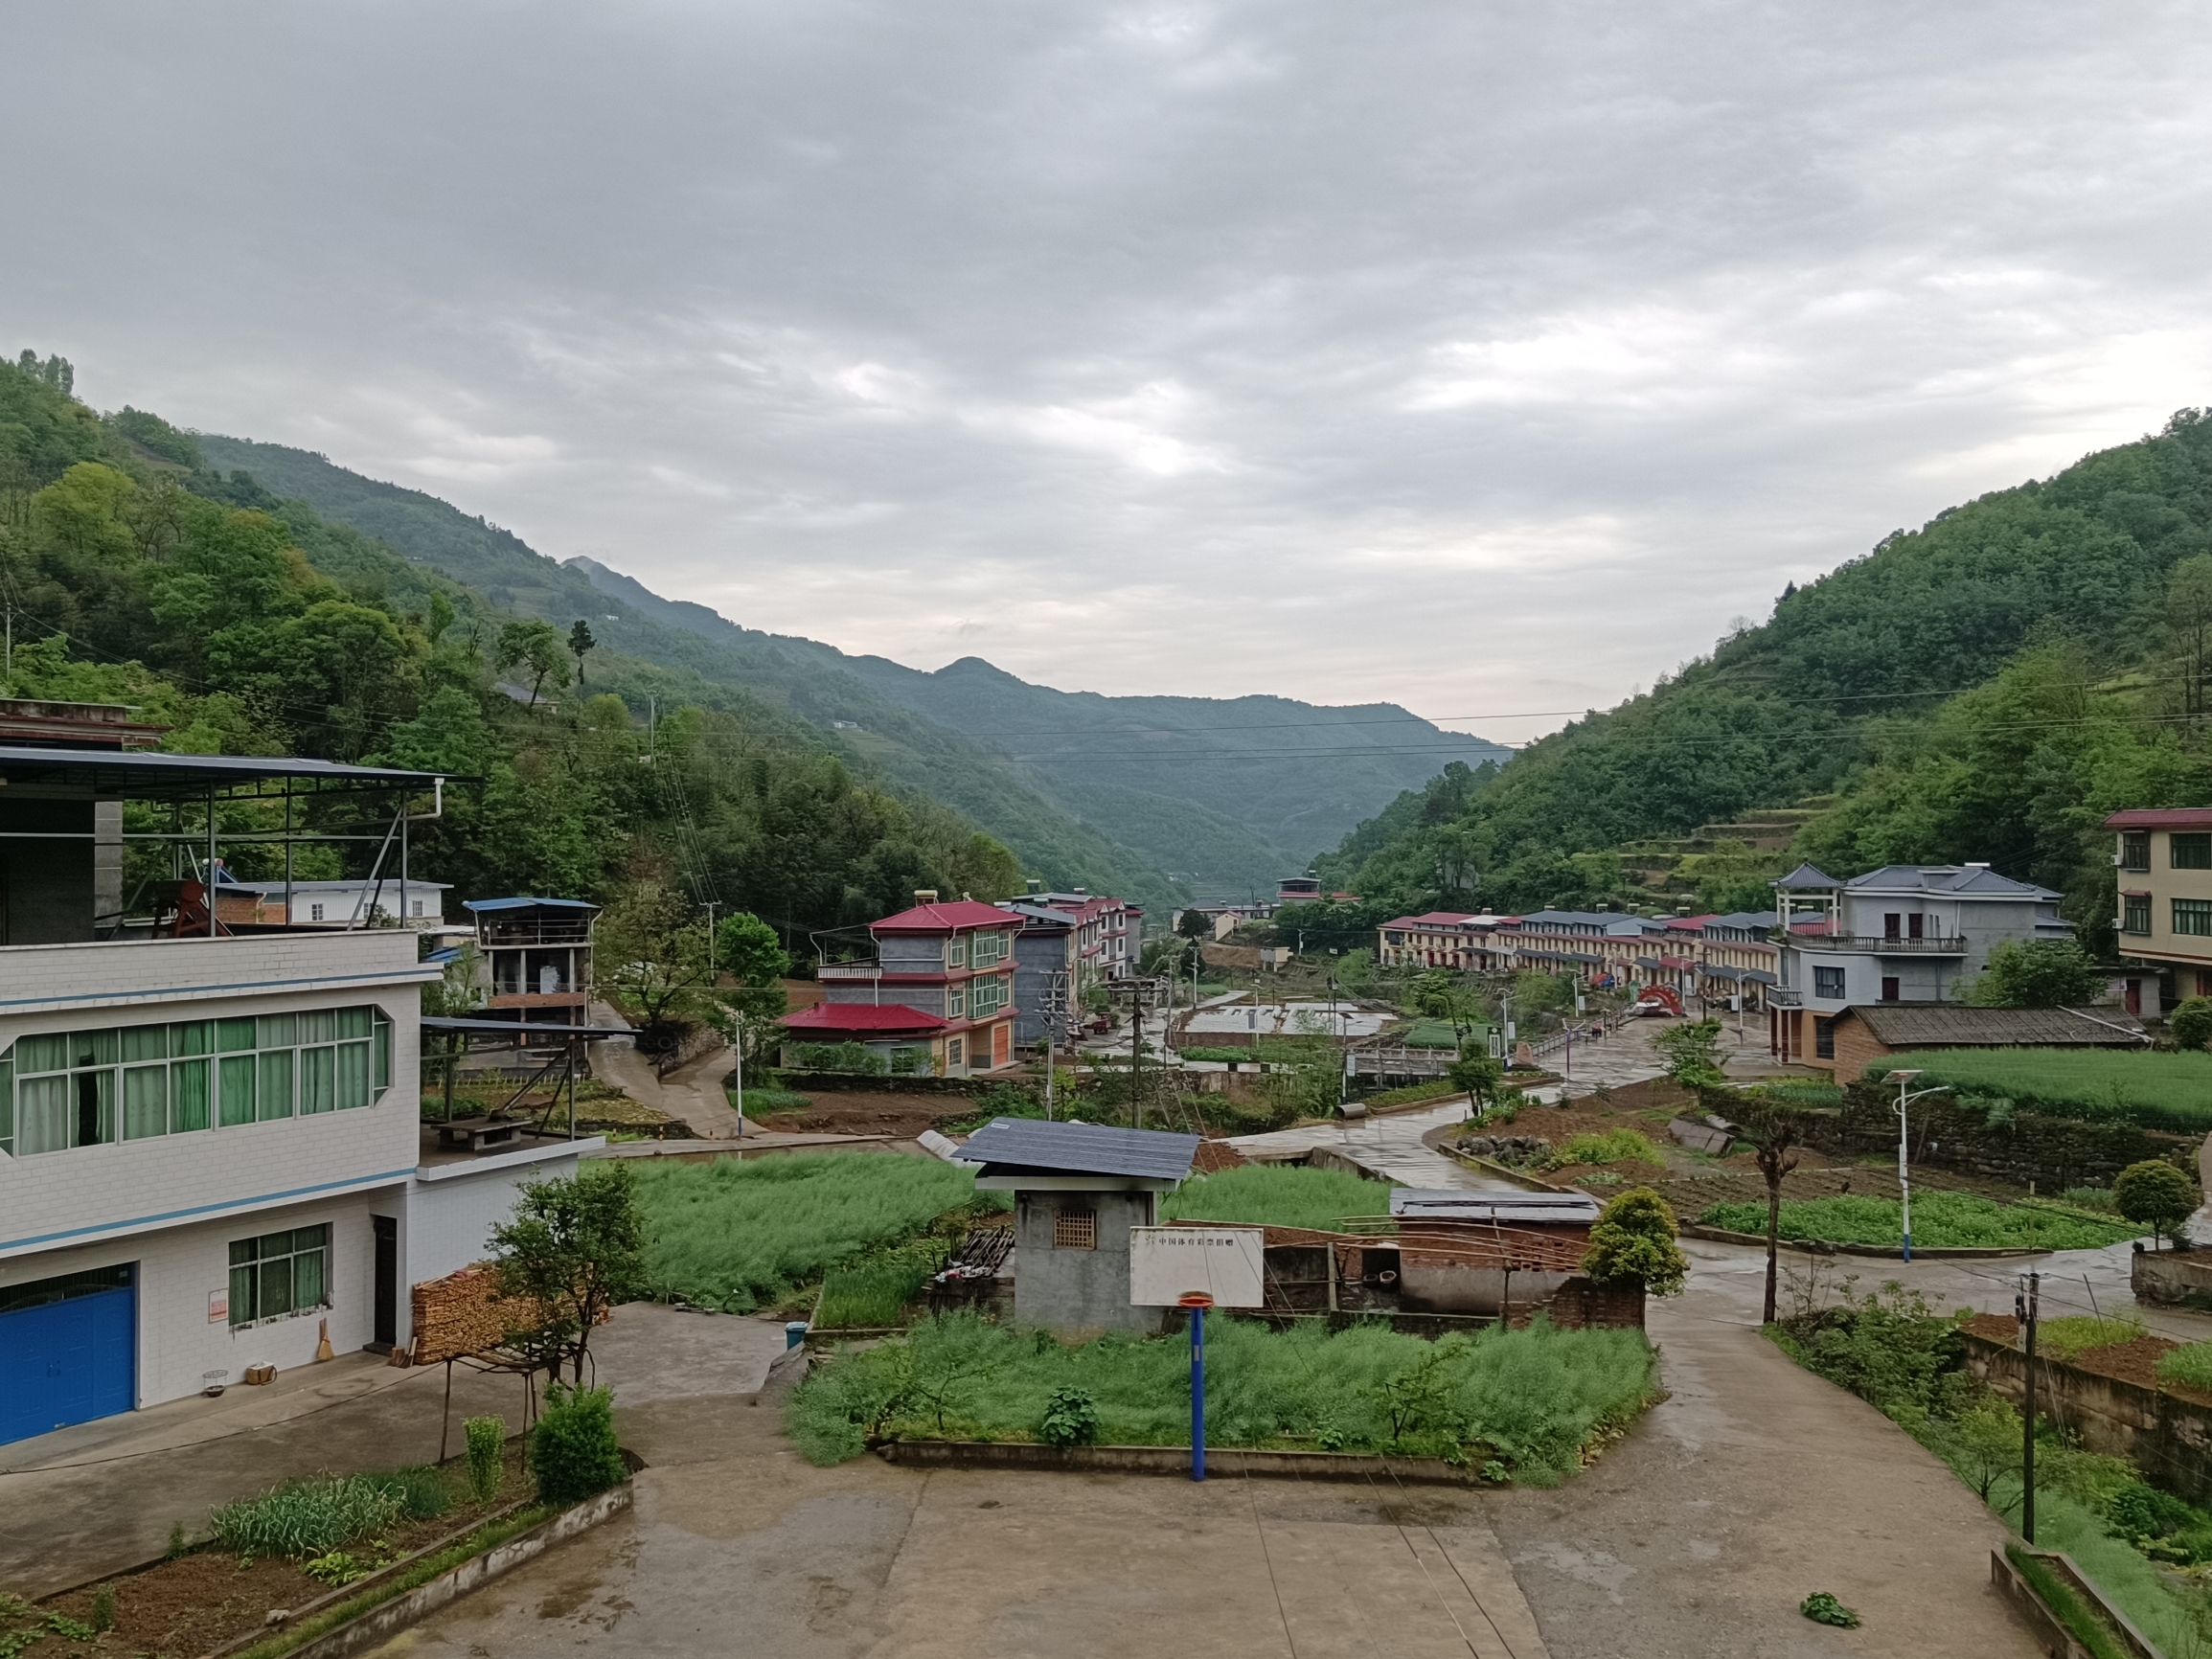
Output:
x=137 y=572
x=919 y=759
x=1224 y=794
x=1986 y=687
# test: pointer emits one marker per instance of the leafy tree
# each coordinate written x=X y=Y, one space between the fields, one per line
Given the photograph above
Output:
x=1480 y=1076
x=1194 y=924
x=2188 y=611
x=535 y=647
x=2190 y=1024
x=573 y=1249
x=1773 y=1131
x=1633 y=1242
x=579 y=643
x=2155 y=1194
x=749 y=950
x=1692 y=1050
x=2036 y=973
x=650 y=951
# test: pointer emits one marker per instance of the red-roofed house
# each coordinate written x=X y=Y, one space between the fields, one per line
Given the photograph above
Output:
x=940 y=991
x=1435 y=939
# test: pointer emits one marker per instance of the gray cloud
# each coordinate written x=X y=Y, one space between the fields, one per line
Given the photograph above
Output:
x=1485 y=359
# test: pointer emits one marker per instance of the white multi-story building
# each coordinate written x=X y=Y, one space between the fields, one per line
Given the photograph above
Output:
x=1902 y=933
x=210 y=1146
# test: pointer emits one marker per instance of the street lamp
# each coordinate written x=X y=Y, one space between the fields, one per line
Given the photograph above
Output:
x=1903 y=1169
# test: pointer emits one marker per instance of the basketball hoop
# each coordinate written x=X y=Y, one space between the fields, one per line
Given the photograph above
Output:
x=1194 y=1299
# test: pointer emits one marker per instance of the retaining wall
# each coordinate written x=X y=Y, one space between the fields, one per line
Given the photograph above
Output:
x=2169 y=1439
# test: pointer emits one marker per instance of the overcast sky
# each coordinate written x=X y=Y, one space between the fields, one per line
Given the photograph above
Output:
x=1490 y=359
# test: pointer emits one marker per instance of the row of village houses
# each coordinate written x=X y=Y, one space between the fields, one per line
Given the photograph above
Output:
x=1715 y=957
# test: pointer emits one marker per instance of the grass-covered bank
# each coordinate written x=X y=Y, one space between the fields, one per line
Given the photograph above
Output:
x=1940 y=1221
x=739 y=1235
x=1902 y=1356
x=1519 y=1404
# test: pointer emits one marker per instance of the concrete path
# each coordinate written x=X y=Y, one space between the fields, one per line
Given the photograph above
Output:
x=1387 y=1146
x=1753 y=1485
x=85 y=1501
x=692 y=1093
x=737 y=1545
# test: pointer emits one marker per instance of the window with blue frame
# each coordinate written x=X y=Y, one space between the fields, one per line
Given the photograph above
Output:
x=86 y=1088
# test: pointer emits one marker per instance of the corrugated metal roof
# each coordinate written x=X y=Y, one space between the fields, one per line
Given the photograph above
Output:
x=1081 y=1149
x=527 y=904
x=1418 y=1203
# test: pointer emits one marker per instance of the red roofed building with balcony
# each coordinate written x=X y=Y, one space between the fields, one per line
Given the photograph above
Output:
x=938 y=997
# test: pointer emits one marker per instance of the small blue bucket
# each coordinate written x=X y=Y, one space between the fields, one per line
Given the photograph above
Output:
x=794 y=1333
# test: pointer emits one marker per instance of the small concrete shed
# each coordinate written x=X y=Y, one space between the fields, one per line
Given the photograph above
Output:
x=1078 y=1189
x=1473 y=1252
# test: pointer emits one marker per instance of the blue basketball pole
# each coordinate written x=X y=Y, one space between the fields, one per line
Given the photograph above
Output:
x=1197 y=1394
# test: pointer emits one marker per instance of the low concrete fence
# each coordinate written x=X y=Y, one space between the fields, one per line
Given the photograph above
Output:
x=2174 y=1278
x=2170 y=1440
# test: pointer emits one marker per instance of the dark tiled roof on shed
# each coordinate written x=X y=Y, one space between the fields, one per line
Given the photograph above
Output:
x=1932 y=1024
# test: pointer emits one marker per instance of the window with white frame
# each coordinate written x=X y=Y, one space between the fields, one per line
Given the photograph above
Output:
x=956 y=1002
x=84 y=1088
x=315 y=911
x=987 y=949
x=279 y=1273
x=956 y=952
x=986 y=996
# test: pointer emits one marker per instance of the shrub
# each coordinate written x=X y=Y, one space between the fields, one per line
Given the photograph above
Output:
x=1823 y=1608
x=2190 y=1025
x=836 y=1057
x=307 y=1517
x=2189 y=1365
x=487 y=1454
x=1633 y=1242
x=2156 y=1194
x=1070 y=1419
x=573 y=1449
x=2090 y=1198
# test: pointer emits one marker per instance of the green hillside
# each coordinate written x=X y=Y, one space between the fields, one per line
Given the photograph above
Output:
x=136 y=572
x=918 y=757
x=1987 y=687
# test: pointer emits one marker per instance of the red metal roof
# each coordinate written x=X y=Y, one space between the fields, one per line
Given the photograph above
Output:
x=892 y=1017
x=955 y=917
x=2161 y=818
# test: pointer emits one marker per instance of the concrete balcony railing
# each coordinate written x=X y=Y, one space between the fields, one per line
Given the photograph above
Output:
x=847 y=970
x=1880 y=944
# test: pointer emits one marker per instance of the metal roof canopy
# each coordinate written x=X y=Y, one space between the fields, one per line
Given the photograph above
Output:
x=527 y=904
x=1011 y=1145
x=144 y=776
x=1443 y=1204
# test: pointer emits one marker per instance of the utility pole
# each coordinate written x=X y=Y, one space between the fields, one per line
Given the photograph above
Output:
x=2024 y=1304
x=1055 y=1009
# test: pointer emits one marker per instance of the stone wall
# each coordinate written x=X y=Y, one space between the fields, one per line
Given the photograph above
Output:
x=2052 y=1152
x=2177 y=1279
x=2169 y=1439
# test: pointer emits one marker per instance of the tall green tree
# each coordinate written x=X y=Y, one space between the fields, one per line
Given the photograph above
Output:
x=573 y=1249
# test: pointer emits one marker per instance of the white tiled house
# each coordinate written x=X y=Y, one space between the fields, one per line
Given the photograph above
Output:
x=209 y=1146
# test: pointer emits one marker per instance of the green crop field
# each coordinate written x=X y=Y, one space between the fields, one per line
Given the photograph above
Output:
x=1276 y=1196
x=740 y=1234
x=1940 y=1221
x=1528 y=1399
x=2164 y=1091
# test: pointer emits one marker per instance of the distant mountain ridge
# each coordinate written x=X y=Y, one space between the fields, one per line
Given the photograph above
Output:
x=1296 y=776
x=1156 y=797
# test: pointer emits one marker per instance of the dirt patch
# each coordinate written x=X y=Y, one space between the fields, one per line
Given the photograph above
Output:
x=830 y=1112
x=2135 y=1361
x=205 y=1598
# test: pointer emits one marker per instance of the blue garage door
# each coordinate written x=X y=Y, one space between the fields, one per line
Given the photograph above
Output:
x=68 y=1350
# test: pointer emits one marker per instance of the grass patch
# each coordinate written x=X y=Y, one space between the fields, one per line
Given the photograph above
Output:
x=2087 y=1627
x=739 y=1234
x=1276 y=1196
x=1613 y=1147
x=2166 y=1091
x=2075 y=1335
x=1436 y=1089
x=1940 y=1221
x=1437 y=1033
x=868 y=1297
x=760 y=1103
x=1531 y=1401
x=2190 y=1366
